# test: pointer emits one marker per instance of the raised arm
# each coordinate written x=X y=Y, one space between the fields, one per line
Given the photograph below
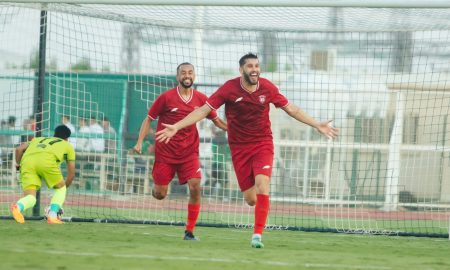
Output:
x=19 y=153
x=143 y=132
x=220 y=123
x=198 y=114
x=325 y=128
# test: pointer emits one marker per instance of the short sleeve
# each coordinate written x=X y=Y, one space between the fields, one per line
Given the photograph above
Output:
x=212 y=115
x=71 y=154
x=277 y=98
x=157 y=107
x=217 y=99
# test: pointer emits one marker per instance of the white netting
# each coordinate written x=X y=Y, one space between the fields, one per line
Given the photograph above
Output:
x=380 y=74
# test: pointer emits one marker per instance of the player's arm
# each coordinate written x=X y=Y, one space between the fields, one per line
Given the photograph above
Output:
x=70 y=172
x=143 y=132
x=325 y=128
x=19 y=153
x=220 y=123
x=167 y=133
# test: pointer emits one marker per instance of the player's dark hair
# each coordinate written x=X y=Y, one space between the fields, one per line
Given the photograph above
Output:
x=184 y=64
x=62 y=132
x=245 y=57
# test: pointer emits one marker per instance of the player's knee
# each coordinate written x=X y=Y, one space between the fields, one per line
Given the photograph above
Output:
x=159 y=195
x=59 y=185
x=195 y=197
x=262 y=187
x=195 y=190
x=250 y=201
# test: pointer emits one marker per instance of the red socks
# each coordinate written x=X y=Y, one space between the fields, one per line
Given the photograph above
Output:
x=193 y=211
x=261 y=212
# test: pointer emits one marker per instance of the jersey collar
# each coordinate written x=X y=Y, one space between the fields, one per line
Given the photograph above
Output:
x=245 y=89
x=185 y=100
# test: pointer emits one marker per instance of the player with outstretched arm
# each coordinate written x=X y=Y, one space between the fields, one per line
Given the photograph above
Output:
x=181 y=155
x=247 y=100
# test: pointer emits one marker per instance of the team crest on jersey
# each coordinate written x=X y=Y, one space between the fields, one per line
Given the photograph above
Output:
x=262 y=99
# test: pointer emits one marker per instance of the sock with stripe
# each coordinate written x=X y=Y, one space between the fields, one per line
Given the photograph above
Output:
x=57 y=201
x=26 y=202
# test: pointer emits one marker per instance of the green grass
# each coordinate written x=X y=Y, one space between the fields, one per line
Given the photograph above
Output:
x=293 y=222
x=36 y=245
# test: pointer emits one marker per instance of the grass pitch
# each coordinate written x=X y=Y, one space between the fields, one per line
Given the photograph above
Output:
x=36 y=245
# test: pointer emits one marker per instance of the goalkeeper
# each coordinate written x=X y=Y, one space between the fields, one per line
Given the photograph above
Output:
x=40 y=159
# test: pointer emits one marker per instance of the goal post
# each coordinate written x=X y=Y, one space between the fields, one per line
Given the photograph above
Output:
x=378 y=69
x=263 y=3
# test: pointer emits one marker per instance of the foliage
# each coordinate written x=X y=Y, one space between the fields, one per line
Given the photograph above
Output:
x=34 y=62
x=83 y=64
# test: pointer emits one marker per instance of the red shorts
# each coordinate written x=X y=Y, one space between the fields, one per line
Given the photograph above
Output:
x=163 y=173
x=250 y=160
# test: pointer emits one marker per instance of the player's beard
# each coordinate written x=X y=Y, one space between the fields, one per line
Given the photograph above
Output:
x=186 y=83
x=248 y=79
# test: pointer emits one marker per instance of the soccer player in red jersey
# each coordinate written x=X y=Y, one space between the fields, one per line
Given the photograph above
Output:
x=247 y=100
x=181 y=155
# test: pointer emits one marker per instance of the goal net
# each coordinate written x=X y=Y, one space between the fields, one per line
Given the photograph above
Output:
x=381 y=75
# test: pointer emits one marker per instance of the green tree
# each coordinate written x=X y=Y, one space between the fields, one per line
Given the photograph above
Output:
x=34 y=62
x=84 y=64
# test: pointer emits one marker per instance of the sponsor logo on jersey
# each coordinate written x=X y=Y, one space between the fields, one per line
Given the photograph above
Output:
x=238 y=99
x=266 y=167
x=174 y=110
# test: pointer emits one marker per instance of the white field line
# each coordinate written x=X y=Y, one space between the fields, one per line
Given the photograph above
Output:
x=209 y=259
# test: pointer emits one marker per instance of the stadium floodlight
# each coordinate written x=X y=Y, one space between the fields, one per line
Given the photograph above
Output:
x=378 y=69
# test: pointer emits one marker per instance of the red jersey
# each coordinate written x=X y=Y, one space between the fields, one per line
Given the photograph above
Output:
x=247 y=112
x=169 y=108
